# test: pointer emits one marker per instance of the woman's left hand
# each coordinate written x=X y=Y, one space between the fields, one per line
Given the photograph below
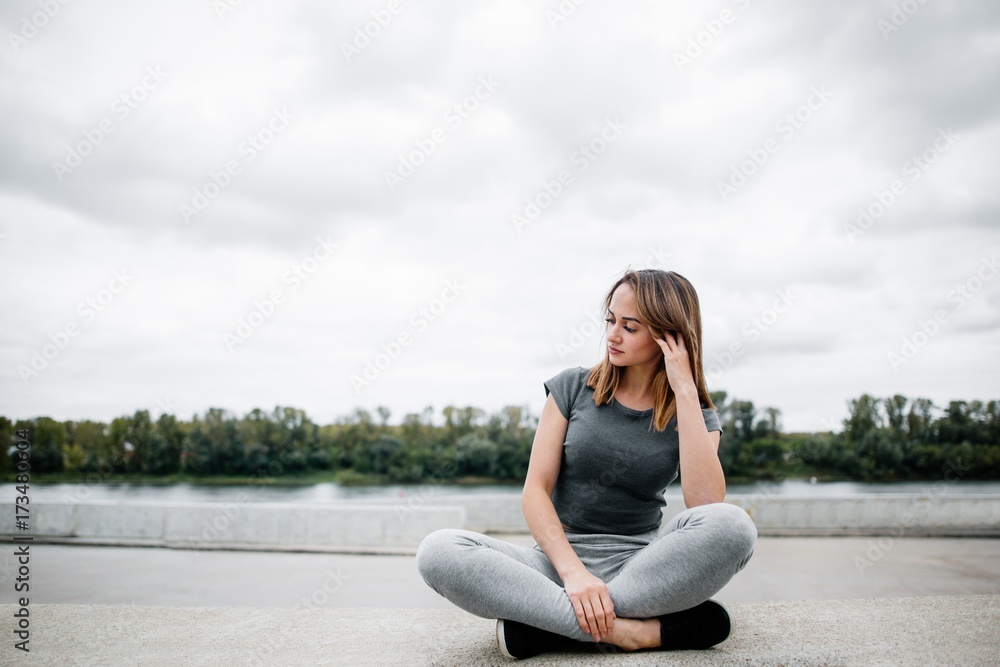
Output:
x=677 y=362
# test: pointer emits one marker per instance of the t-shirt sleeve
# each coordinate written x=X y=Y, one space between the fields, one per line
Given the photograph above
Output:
x=712 y=422
x=564 y=388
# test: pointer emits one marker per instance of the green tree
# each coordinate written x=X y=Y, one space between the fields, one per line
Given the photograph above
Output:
x=7 y=439
x=196 y=449
x=476 y=456
x=165 y=445
x=93 y=440
x=743 y=418
x=225 y=452
x=74 y=456
x=384 y=453
x=49 y=440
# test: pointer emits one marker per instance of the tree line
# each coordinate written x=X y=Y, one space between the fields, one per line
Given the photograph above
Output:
x=886 y=439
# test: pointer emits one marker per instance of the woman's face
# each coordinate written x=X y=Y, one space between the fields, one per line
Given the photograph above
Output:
x=630 y=342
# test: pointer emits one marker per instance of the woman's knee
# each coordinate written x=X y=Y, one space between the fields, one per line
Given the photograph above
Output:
x=432 y=553
x=736 y=529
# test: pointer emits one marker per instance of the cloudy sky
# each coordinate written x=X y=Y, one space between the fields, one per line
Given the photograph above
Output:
x=245 y=204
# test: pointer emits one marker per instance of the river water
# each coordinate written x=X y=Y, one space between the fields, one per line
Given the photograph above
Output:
x=333 y=493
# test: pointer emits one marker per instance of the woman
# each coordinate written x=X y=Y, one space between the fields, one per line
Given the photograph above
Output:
x=609 y=440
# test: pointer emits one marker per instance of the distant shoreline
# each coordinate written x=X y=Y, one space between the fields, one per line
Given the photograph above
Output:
x=357 y=480
x=354 y=480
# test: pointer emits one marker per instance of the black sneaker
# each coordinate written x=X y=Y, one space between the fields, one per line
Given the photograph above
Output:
x=701 y=626
x=518 y=640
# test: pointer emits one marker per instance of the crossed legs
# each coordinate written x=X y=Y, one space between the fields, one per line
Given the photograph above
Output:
x=693 y=557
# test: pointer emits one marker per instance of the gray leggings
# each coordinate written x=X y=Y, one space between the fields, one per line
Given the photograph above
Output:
x=669 y=569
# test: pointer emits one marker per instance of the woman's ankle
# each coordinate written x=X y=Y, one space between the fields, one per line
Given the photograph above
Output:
x=631 y=634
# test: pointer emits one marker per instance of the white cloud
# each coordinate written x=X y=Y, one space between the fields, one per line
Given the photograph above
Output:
x=654 y=187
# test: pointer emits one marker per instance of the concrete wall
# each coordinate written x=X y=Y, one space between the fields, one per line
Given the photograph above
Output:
x=876 y=514
x=401 y=524
x=210 y=525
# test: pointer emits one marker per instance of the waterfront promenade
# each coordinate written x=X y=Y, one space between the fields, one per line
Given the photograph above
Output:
x=782 y=569
x=924 y=631
x=872 y=581
x=800 y=601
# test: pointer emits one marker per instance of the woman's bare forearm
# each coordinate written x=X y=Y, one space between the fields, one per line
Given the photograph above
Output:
x=702 y=478
x=545 y=527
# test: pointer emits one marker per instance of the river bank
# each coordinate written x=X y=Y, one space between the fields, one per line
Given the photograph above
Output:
x=314 y=491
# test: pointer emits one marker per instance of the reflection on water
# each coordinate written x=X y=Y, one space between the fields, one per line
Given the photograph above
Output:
x=331 y=493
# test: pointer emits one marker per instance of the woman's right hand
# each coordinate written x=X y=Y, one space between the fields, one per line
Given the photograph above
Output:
x=592 y=603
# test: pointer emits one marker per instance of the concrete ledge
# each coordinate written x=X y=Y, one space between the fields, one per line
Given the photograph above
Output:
x=802 y=515
x=213 y=525
x=877 y=513
x=398 y=525
x=871 y=631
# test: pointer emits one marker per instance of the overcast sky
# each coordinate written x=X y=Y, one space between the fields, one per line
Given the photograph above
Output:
x=244 y=204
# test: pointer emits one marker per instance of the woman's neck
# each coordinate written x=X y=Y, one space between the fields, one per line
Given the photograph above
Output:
x=637 y=381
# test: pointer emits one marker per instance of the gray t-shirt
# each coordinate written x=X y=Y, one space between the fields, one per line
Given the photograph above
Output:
x=614 y=469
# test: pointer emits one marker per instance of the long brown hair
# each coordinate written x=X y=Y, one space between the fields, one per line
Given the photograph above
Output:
x=666 y=303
